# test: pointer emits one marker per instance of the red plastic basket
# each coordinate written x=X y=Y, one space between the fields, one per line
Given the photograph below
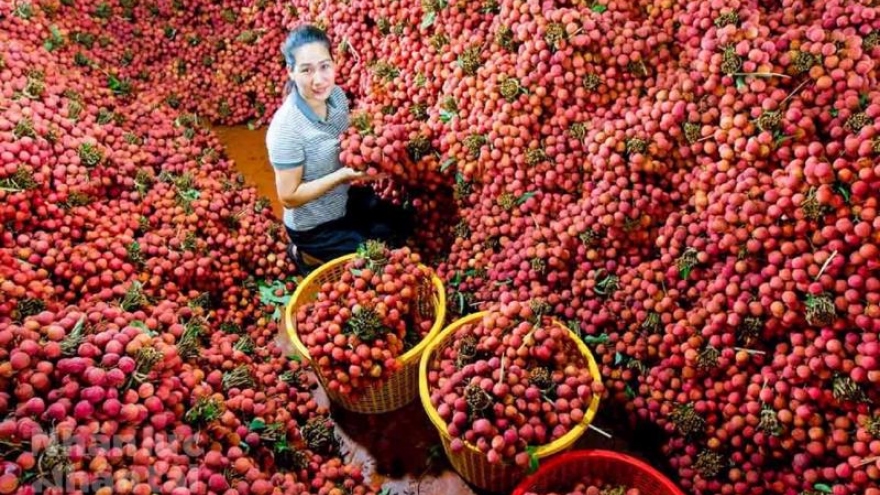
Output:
x=562 y=472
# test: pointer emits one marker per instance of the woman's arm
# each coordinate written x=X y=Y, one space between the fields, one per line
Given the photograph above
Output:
x=287 y=156
x=293 y=192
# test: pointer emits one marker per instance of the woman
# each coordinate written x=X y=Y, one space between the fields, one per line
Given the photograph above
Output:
x=325 y=217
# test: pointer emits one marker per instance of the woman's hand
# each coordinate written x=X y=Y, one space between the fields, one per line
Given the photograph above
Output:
x=372 y=177
x=347 y=174
x=294 y=192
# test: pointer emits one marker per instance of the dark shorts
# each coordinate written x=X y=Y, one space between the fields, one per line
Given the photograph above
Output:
x=367 y=217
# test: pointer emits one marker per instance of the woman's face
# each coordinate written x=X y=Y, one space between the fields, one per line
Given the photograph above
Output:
x=314 y=73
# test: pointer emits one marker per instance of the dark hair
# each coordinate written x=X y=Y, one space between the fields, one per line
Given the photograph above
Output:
x=301 y=36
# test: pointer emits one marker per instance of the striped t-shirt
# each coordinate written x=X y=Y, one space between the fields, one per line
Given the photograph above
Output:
x=298 y=138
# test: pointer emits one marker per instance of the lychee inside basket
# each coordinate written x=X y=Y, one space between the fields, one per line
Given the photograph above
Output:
x=456 y=336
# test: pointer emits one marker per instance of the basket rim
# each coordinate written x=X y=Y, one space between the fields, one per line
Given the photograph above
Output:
x=409 y=356
x=545 y=450
x=594 y=454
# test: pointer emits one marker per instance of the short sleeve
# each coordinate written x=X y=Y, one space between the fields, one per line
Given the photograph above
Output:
x=344 y=100
x=341 y=99
x=285 y=148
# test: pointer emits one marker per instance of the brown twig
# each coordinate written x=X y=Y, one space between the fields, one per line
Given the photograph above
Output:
x=749 y=351
x=762 y=74
x=794 y=92
x=825 y=265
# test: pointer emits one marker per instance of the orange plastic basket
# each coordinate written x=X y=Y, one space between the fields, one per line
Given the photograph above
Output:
x=403 y=386
x=563 y=472
x=471 y=463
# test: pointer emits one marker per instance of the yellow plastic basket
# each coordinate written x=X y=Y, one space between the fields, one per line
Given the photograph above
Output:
x=472 y=464
x=403 y=386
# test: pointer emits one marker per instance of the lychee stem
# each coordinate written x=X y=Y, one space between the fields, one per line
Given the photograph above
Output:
x=600 y=431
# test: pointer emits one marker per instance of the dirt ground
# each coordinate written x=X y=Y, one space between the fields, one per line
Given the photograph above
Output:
x=400 y=451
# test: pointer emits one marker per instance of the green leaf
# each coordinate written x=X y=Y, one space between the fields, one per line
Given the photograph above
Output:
x=257 y=424
x=143 y=327
x=834 y=112
x=428 y=21
x=533 y=459
x=356 y=272
x=29 y=476
x=276 y=315
x=630 y=393
x=596 y=339
x=822 y=487
x=281 y=446
x=446 y=164
x=598 y=8
x=55 y=40
x=435 y=452
x=118 y=86
x=842 y=189
x=525 y=197
x=295 y=358
x=191 y=195
x=741 y=82
x=685 y=272
x=781 y=139
x=863 y=100
x=446 y=116
x=79 y=325
x=267 y=293
x=385 y=491
x=618 y=358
